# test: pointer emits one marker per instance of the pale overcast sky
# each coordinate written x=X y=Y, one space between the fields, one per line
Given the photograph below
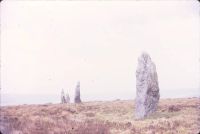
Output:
x=50 y=45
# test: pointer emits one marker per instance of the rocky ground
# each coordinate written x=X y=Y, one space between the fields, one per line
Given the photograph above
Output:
x=174 y=116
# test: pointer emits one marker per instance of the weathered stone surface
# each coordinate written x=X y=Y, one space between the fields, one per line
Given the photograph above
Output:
x=77 y=98
x=147 y=94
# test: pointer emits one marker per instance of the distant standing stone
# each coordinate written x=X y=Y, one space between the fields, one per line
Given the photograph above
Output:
x=63 y=99
x=147 y=94
x=77 y=98
x=67 y=98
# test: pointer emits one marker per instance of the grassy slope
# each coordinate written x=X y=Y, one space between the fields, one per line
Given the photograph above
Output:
x=178 y=116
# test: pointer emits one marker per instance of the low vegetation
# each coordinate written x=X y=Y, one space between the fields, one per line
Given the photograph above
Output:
x=174 y=116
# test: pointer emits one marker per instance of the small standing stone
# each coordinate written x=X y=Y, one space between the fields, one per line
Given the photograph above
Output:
x=63 y=99
x=147 y=94
x=77 y=98
x=67 y=98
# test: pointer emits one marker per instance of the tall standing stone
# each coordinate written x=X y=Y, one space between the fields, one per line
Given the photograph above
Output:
x=147 y=94
x=77 y=98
